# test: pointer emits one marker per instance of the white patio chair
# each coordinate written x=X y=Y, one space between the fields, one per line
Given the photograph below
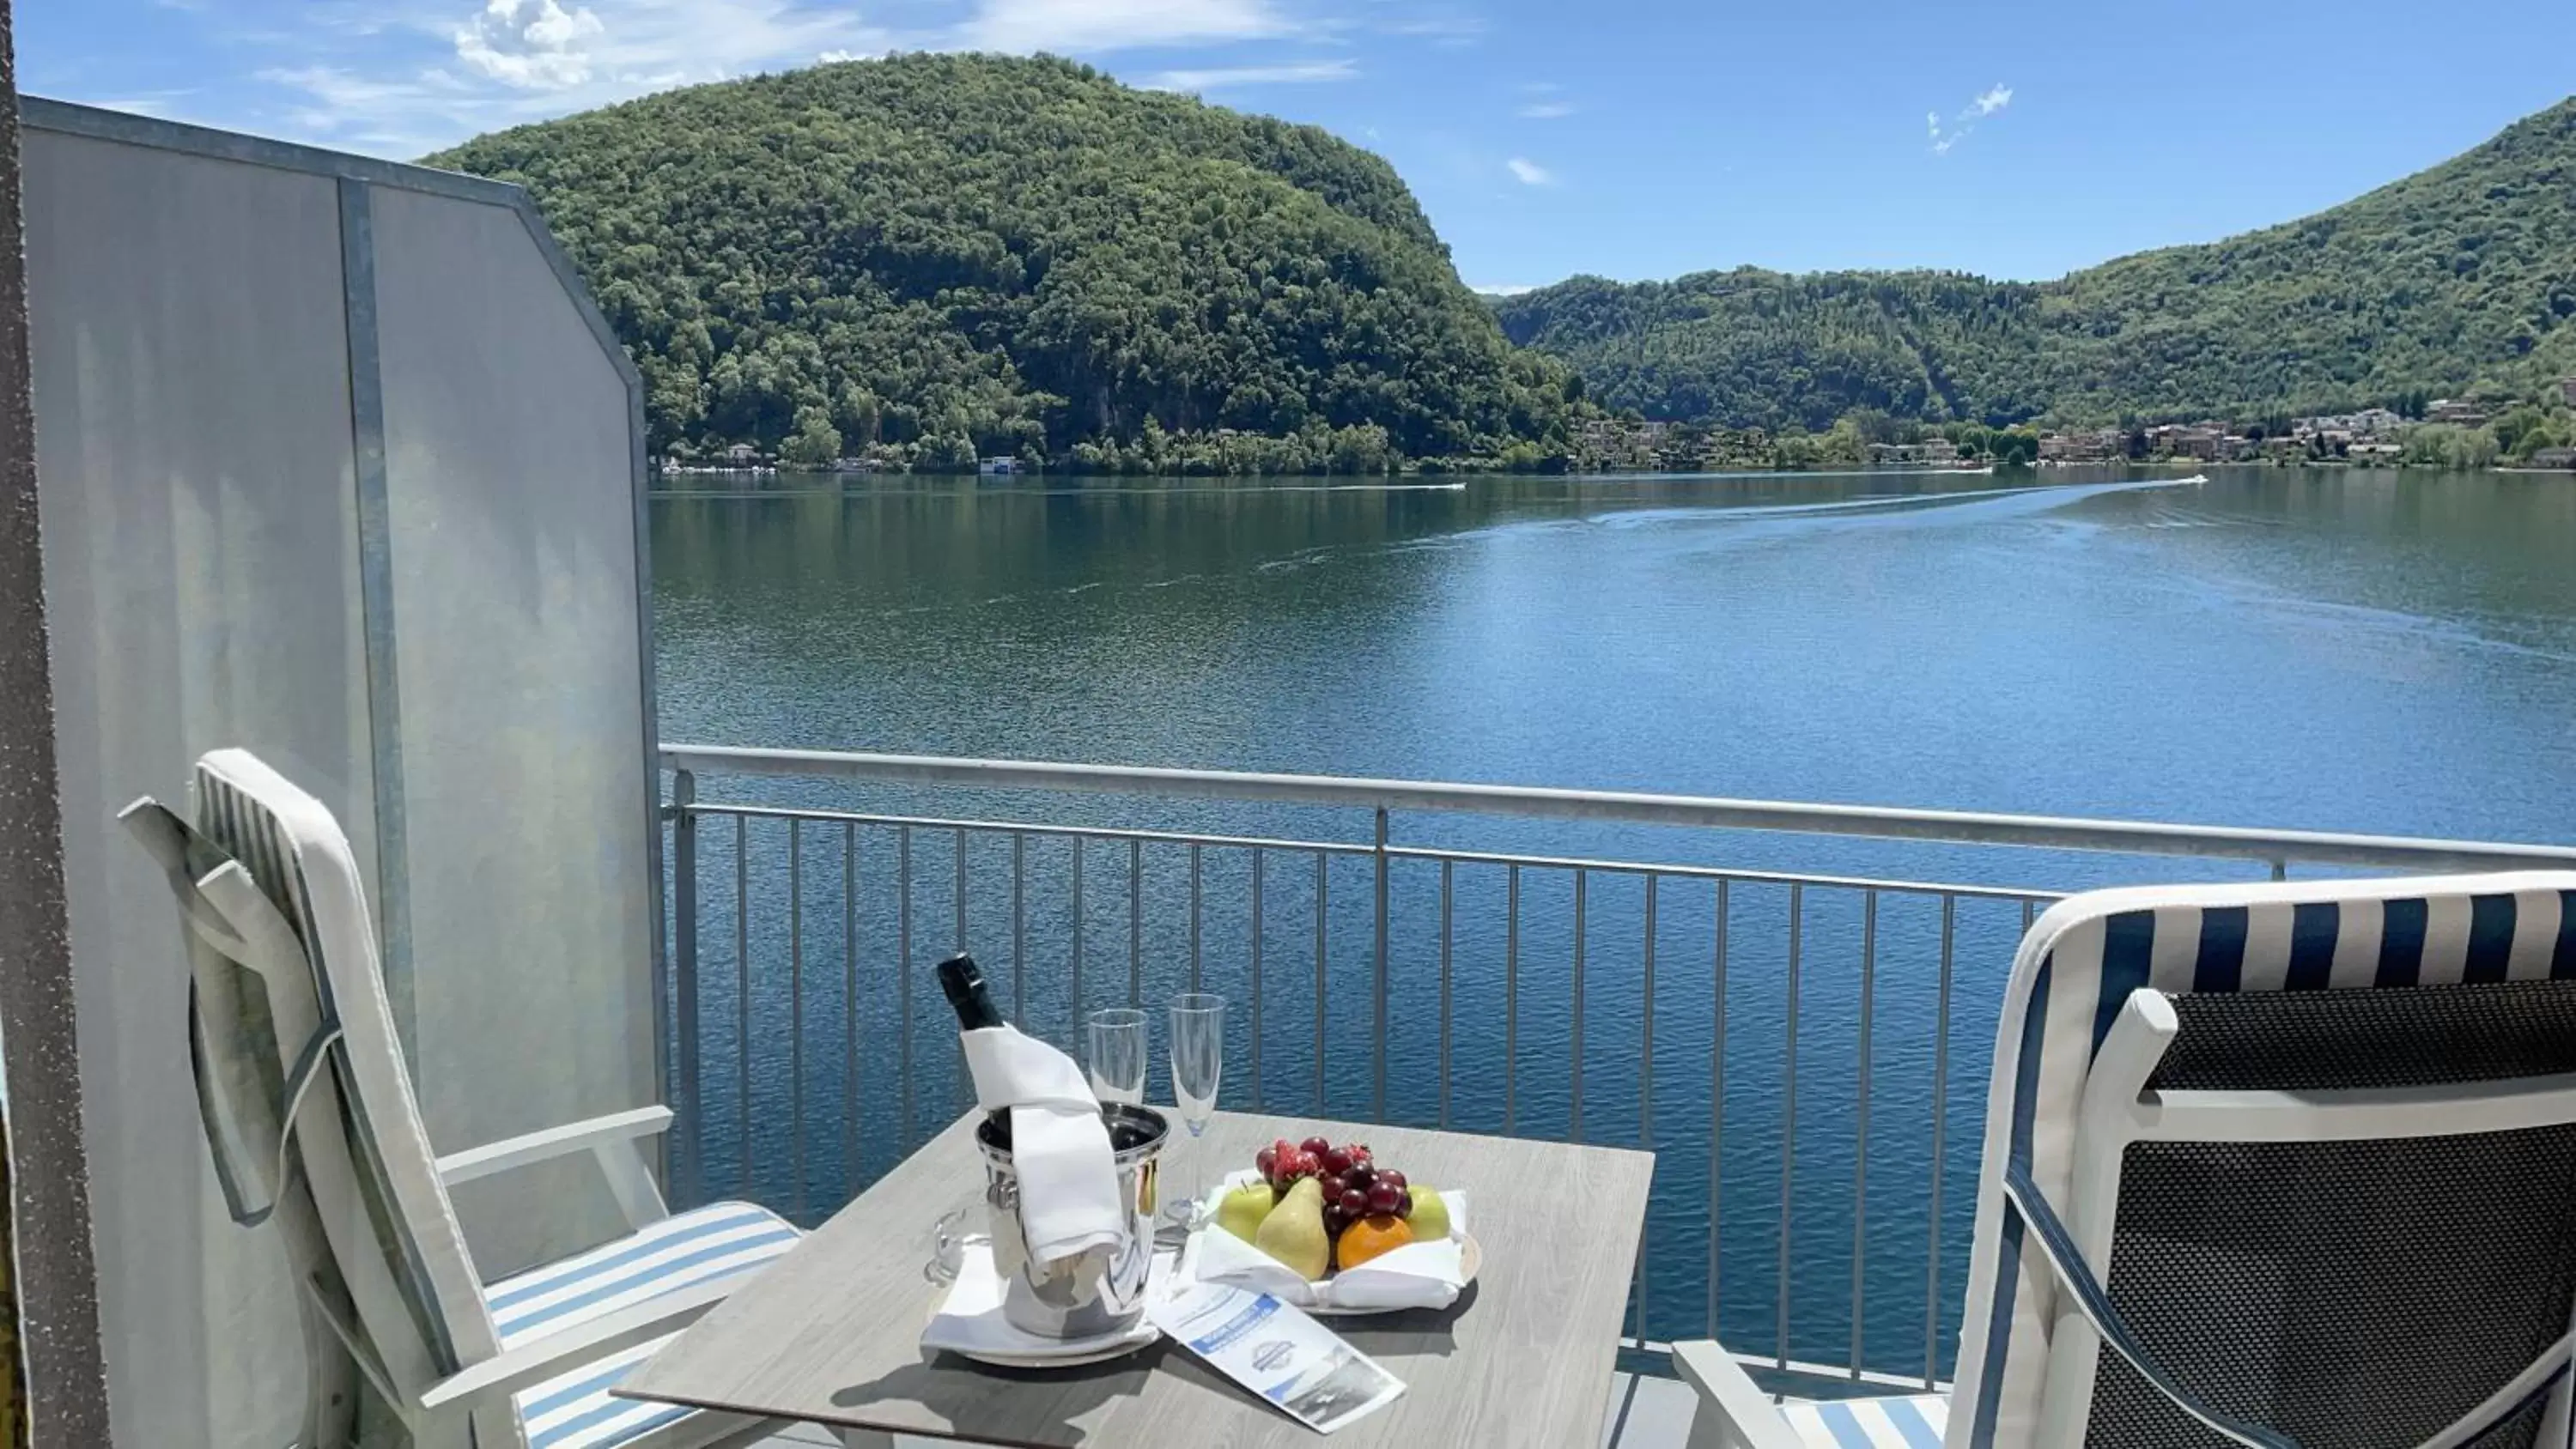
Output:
x=309 y=1115
x=2274 y=1165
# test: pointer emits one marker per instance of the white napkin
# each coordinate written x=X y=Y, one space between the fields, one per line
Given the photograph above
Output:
x=1068 y=1176
x=970 y=1320
x=1417 y=1275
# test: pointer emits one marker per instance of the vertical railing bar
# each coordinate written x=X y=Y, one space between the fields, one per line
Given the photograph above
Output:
x=1511 y=997
x=1135 y=923
x=1716 y=1091
x=796 y=1017
x=1073 y=1025
x=957 y=1078
x=1789 y=1116
x=903 y=978
x=742 y=999
x=1194 y=915
x=1257 y=854
x=1940 y=1120
x=850 y=1005
x=688 y=1176
x=1646 y=1087
x=1448 y=869
x=2028 y=911
x=1377 y=1097
x=2281 y=868
x=1323 y=888
x=1020 y=929
x=1574 y=1118
x=1860 y=1147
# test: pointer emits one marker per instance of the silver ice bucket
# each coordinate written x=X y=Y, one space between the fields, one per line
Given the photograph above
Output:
x=1091 y=1294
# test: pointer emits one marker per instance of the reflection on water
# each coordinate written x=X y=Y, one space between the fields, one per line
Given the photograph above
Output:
x=2348 y=651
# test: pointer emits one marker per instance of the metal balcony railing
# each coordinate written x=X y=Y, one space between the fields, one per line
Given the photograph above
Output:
x=1773 y=1013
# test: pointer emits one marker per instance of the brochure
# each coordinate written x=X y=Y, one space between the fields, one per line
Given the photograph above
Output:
x=1275 y=1350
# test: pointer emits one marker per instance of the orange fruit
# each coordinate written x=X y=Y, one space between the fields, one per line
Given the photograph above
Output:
x=1369 y=1237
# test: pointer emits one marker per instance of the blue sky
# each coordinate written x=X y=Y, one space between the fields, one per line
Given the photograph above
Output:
x=1631 y=138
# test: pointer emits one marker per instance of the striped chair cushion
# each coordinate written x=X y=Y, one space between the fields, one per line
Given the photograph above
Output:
x=2075 y=970
x=577 y=1411
x=720 y=1240
x=1910 y=1423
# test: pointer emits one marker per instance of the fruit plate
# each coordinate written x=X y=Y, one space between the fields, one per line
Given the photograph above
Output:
x=1471 y=1258
x=1245 y=1266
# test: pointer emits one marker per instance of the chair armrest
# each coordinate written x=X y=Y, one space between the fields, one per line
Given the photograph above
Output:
x=1733 y=1412
x=542 y=1358
x=553 y=1142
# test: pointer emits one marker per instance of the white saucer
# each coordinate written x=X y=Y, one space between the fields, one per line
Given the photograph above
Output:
x=976 y=1281
x=1073 y=1357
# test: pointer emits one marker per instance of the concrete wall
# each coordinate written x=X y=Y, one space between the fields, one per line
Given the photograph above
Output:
x=334 y=467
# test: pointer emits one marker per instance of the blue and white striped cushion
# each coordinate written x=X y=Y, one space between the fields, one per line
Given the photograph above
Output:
x=577 y=1410
x=720 y=1240
x=2076 y=969
x=1908 y=1423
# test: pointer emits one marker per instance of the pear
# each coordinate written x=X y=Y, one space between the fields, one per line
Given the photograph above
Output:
x=1430 y=1220
x=1294 y=1231
x=1243 y=1211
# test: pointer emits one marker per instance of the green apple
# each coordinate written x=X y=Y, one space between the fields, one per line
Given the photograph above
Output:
x=1241 y=1211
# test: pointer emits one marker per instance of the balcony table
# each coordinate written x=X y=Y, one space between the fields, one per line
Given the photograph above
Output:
x=829 y=1334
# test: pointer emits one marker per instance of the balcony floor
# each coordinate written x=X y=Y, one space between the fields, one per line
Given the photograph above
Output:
x=1645 y=1413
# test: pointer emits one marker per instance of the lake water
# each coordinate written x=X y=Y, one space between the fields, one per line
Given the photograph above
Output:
x=2328 y=650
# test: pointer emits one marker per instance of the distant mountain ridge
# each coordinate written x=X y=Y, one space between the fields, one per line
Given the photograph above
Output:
x=2462 y=273
x=938 y=256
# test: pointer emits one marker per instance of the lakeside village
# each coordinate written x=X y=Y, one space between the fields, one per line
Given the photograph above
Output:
x=2536 y=433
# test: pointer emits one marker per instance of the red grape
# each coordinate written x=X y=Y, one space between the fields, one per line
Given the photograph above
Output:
x=1404 y=1204
x=1333 y=1187
x=1383 y=1199
x=1335 y=1220
x=1337 y=1162
x=1393 y=1177
x=1361 y=1176
x=1353 y=1203
x=1315 y=1145
x=1266 y=1159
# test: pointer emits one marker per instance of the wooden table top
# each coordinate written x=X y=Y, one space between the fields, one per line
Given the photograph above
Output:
x=830 y=1333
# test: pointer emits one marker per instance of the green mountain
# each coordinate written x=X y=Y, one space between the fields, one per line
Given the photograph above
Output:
x=2460 y=274
x=954 y=255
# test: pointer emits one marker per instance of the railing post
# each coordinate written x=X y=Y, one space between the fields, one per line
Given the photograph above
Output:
x=1377 y=1108
x=689 y=1175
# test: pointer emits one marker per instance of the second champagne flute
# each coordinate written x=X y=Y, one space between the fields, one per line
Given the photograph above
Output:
x=1198 y=1064
x=1116 y=1057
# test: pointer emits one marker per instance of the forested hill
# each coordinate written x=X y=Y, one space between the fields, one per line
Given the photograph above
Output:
x=952 y=255
x=2462 y=273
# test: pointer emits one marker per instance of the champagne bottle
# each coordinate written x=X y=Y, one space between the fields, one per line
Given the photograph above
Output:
x=962 y=981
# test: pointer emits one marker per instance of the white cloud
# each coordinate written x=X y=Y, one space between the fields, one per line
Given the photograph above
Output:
x=370 y=87
x=404 y=77
x=1546 y=111
x=1987 y=102
x=532 y=44
x=1078 y=26
x=1222 y=77
x=1530 y=173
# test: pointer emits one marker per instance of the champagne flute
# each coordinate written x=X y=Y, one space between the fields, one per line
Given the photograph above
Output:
x=1117 y=1055
x=1198 y=1063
